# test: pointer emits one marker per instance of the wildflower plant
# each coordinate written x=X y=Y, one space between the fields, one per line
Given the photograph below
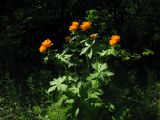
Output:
x=86 y=69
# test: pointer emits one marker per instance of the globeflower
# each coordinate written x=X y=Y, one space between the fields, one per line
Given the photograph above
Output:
x=75 y=23
x=74 y=26
x=42 y=49
x=85 y=26
x=44 y=45
x=94 y=36
x=114 y=40
x=47 y=43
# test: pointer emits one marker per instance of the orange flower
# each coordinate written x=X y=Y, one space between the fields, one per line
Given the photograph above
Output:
x=75 y=23
x=85 y=26
x=74 y=26
x=47 y=43
x=44 y=45
x=42 y=49
x=94 y=36
x=114 y=40
x=67 y=38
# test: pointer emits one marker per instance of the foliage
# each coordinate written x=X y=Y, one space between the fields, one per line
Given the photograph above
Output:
x=81 y=85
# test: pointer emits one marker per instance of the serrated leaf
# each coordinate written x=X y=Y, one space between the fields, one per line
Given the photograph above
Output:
x=51 y=89
x=58 y=84
x=110 y=51
x=99 y=66
x=58 y=80
x=61 y=99
x=102 y=53
x=108 y=73
x=74 y=89
x=103 y=67
x=93 y=76
x=94 y=65
x=62 y=87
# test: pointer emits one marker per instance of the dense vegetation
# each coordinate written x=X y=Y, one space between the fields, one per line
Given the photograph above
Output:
x=83 y=77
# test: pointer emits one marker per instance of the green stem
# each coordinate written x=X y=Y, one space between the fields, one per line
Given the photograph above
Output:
x=97 y=70
x=65 y=68
x=88 y=64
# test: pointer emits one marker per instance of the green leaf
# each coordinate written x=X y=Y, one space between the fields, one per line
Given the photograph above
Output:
x=62 y=87
x=84 y=40
x=99 y=66
x=110 y=51
x=51 y=89
x=90 y=54
x=75 y=89
x=93 y=76
x=86 y=44
x=84 y=50
x=62 y=99
x=77 y=112
x=113 y=118
x=70 y=101
x=65 y=58
x=112 y=106
x=98 y=104
x=58 y=80
x=58 y=84
x=148 y=52
x=102 y=67
x=108 y=73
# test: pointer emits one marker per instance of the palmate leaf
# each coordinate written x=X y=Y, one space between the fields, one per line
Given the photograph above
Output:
x=99 y=66
x=101 y=71
x=94 y=98
x=75 y=89
x=88 y=49
x=102 y=67
x=65 y=58
x=58 y=84
x=108 y=52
